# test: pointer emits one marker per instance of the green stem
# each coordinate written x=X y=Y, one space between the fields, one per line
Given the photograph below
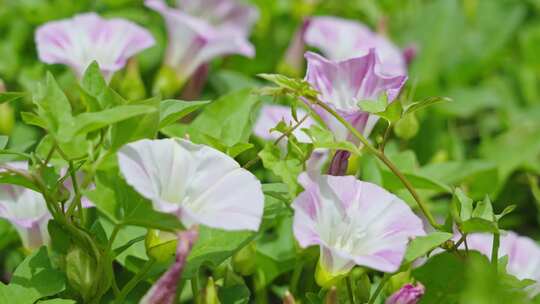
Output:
x=349 y=288
x=495 y=250
x=384 y=159
x=383 y=282
x=296 y=276
x=195 y=287
x=134 y=281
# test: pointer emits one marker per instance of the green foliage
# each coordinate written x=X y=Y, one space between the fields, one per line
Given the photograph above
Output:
x=34 y=279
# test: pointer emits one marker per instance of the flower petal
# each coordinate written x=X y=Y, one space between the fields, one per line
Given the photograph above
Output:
x=355 y=220
x=196 y=182
x=193 y=41
x=87 y=37
x=159 y=170
x=221 y=194
x=341 y=39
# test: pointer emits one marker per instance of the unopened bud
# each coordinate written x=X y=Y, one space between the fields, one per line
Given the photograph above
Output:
x=210 y=295
x=244 y=260
x=167 y=82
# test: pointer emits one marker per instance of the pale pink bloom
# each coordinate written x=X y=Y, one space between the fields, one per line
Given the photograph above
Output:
x=269 y=118
x=199 y=184
x=354 y=223
x=340 y=39
x=164 y=290
x=343 y=84
x=408 y=294
x=523 y=254
x=201 y=30
x=27 y=211
x=78 y=41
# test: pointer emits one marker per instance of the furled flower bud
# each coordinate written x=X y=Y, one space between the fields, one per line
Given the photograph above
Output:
x=408 y=294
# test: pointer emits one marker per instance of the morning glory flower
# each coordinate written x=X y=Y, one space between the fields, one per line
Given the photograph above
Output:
x=27 y=211
x=341 y=39
x=353 y=223
x=523 y=255
x=200 y=30
x=197 y=183
x=343 y=84
x=408 y=294
x=78 y=41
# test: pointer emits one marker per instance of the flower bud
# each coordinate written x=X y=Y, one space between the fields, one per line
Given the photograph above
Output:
x=244 y=260
x=81 y=272
x=160 y=245
x=408 y=294
x=210 y=295
x=7 y=118
x=167 y=82
x=130 y=84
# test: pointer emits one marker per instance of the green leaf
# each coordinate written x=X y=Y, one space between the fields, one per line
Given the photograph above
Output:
x=33 y=119
x=213 y=247
x=92 y=121
x=10 y=96
x=172 y=110
x=57 y=301
x=443 y=275
x=141 y=126
x=381 y=107
x=229 y=118
x=122 y=205
x=53 y=106
x=509 y=209
x=418 y=105
x=34 y=278
x=424 y=244
x=93 y=85
x=3 y=141
x=325 y=139
x=464 y=203
x=484 y=210
x=287 y=169
x=477 y=224
x=294 y=85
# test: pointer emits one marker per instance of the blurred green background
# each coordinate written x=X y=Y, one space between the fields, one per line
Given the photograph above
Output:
x=484 y=54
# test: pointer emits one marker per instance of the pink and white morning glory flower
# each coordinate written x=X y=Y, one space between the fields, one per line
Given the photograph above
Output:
x=78 y=41
x=26 y=210
x=341 y=39
x=199 y=184
x=343 y=84
x=201 y=30
x=353 y=223
x=523 y=255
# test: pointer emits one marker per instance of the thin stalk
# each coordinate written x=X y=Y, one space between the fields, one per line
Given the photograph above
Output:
x=295 y=278
x=196 y=287
x=495 y=250
x=384 y=159
x=383 y=282
x=134 y=281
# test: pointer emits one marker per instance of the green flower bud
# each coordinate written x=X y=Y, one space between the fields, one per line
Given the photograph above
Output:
x=210 y=295
x=167 y=82
x=407 y=127
x=81 y=273
x=160 y=245
x=7 y=118
x=244 y=260
x=130 y=84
